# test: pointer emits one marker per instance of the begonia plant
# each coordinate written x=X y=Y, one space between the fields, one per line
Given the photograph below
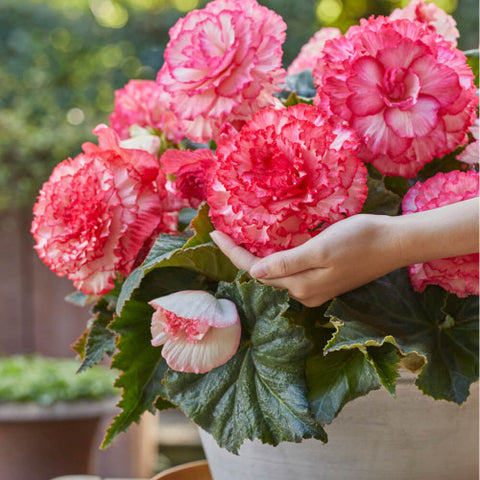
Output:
x=378 y=121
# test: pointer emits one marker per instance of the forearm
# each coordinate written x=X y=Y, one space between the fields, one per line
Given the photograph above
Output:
x=447 y=231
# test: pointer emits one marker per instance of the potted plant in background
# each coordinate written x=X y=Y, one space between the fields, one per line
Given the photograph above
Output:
x=49 y=415
x=376 y=124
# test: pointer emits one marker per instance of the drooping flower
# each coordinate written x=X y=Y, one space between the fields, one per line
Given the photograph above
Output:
x=96 y=211
x=429 y=13
x=198 y=331
x=406 y=92
x=190 y=169
x=311 y=51
x=458 y=275
x=471 y=154
x=144 y=103
x=283 y=178
x=222 y=63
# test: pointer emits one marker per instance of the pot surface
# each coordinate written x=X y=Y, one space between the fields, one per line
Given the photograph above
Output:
x=373 y=438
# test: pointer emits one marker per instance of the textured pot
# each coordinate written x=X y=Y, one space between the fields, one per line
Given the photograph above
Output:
x=373 y=438
x=39 y=443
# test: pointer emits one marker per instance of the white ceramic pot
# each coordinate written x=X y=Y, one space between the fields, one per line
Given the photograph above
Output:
x=373 y=438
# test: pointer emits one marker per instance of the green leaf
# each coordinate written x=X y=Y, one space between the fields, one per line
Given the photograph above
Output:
x=100 y=340
x=299 y=84
x=473 y=61
x=397 y=185
x=385 y=360
x=453 y=363
x=261 y=391
x=380 y=200
x=162 y=249
x=205 y=259
x=389 y=311
x=142 y=365
x=80 y=344
x=337 y=378
x=201 y=225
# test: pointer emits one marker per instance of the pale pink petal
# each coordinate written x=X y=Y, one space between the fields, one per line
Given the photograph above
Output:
x=159 y=336
x=200 y=306
x=471 y=154
x=216 y=348
x=148 y=143
x=439 y=81
x=417 y=121
x=379 y=138
x=365 y=99
x=402 y=55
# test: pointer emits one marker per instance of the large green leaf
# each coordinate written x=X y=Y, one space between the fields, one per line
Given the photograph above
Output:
x=336 y=379
x=206 y=259
x=162 y=249
x=261 y=391
x=100 y=340
x=434 y=324
x=142 y=367
x=453 y=362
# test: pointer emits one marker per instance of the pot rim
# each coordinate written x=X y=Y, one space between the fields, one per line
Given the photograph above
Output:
x=78 y=409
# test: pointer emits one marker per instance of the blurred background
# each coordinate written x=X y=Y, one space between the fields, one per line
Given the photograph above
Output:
x=60 y=63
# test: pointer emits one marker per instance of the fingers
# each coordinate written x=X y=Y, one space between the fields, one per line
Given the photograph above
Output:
x=240 y=257
x=285 y=263
x=308 y=287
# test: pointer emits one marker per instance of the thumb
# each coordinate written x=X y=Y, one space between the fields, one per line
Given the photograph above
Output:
x=283 y=264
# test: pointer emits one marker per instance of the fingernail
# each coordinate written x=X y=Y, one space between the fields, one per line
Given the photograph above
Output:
x=259 y=270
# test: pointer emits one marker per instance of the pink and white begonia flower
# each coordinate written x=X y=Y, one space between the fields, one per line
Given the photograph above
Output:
x=144 y=103
x=198 y=331
x=310 y=52
x=429 y=13
x=458 y=275
x=223 y=63
x=406 y=92
x=190 y=168
x=97 y=211
x=286 y=176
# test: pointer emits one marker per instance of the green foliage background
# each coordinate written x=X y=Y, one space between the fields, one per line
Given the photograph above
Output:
x=61 y=61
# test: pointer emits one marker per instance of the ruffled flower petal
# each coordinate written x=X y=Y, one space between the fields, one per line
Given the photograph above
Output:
x=405 y=90
x=198 y=331
x=215 y=349
x=284 y=177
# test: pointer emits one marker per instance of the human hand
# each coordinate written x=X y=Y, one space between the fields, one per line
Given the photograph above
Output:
x=346 y=255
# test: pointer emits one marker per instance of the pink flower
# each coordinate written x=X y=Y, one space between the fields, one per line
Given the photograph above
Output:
x=283 y=178
x=190 y=169
x=198 y=331
x=96 y=211
x=471 y=153
x=458 y=275
x=310 y=52
x=406 y=92
x=222 y=63
x=432 y=15
x=144 y=103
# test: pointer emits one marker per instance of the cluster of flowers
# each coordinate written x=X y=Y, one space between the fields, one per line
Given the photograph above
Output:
x=394 y=92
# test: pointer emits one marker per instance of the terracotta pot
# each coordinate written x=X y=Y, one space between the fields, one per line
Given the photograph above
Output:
x=189 y=471
x=39 y=443
x=373 y=438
